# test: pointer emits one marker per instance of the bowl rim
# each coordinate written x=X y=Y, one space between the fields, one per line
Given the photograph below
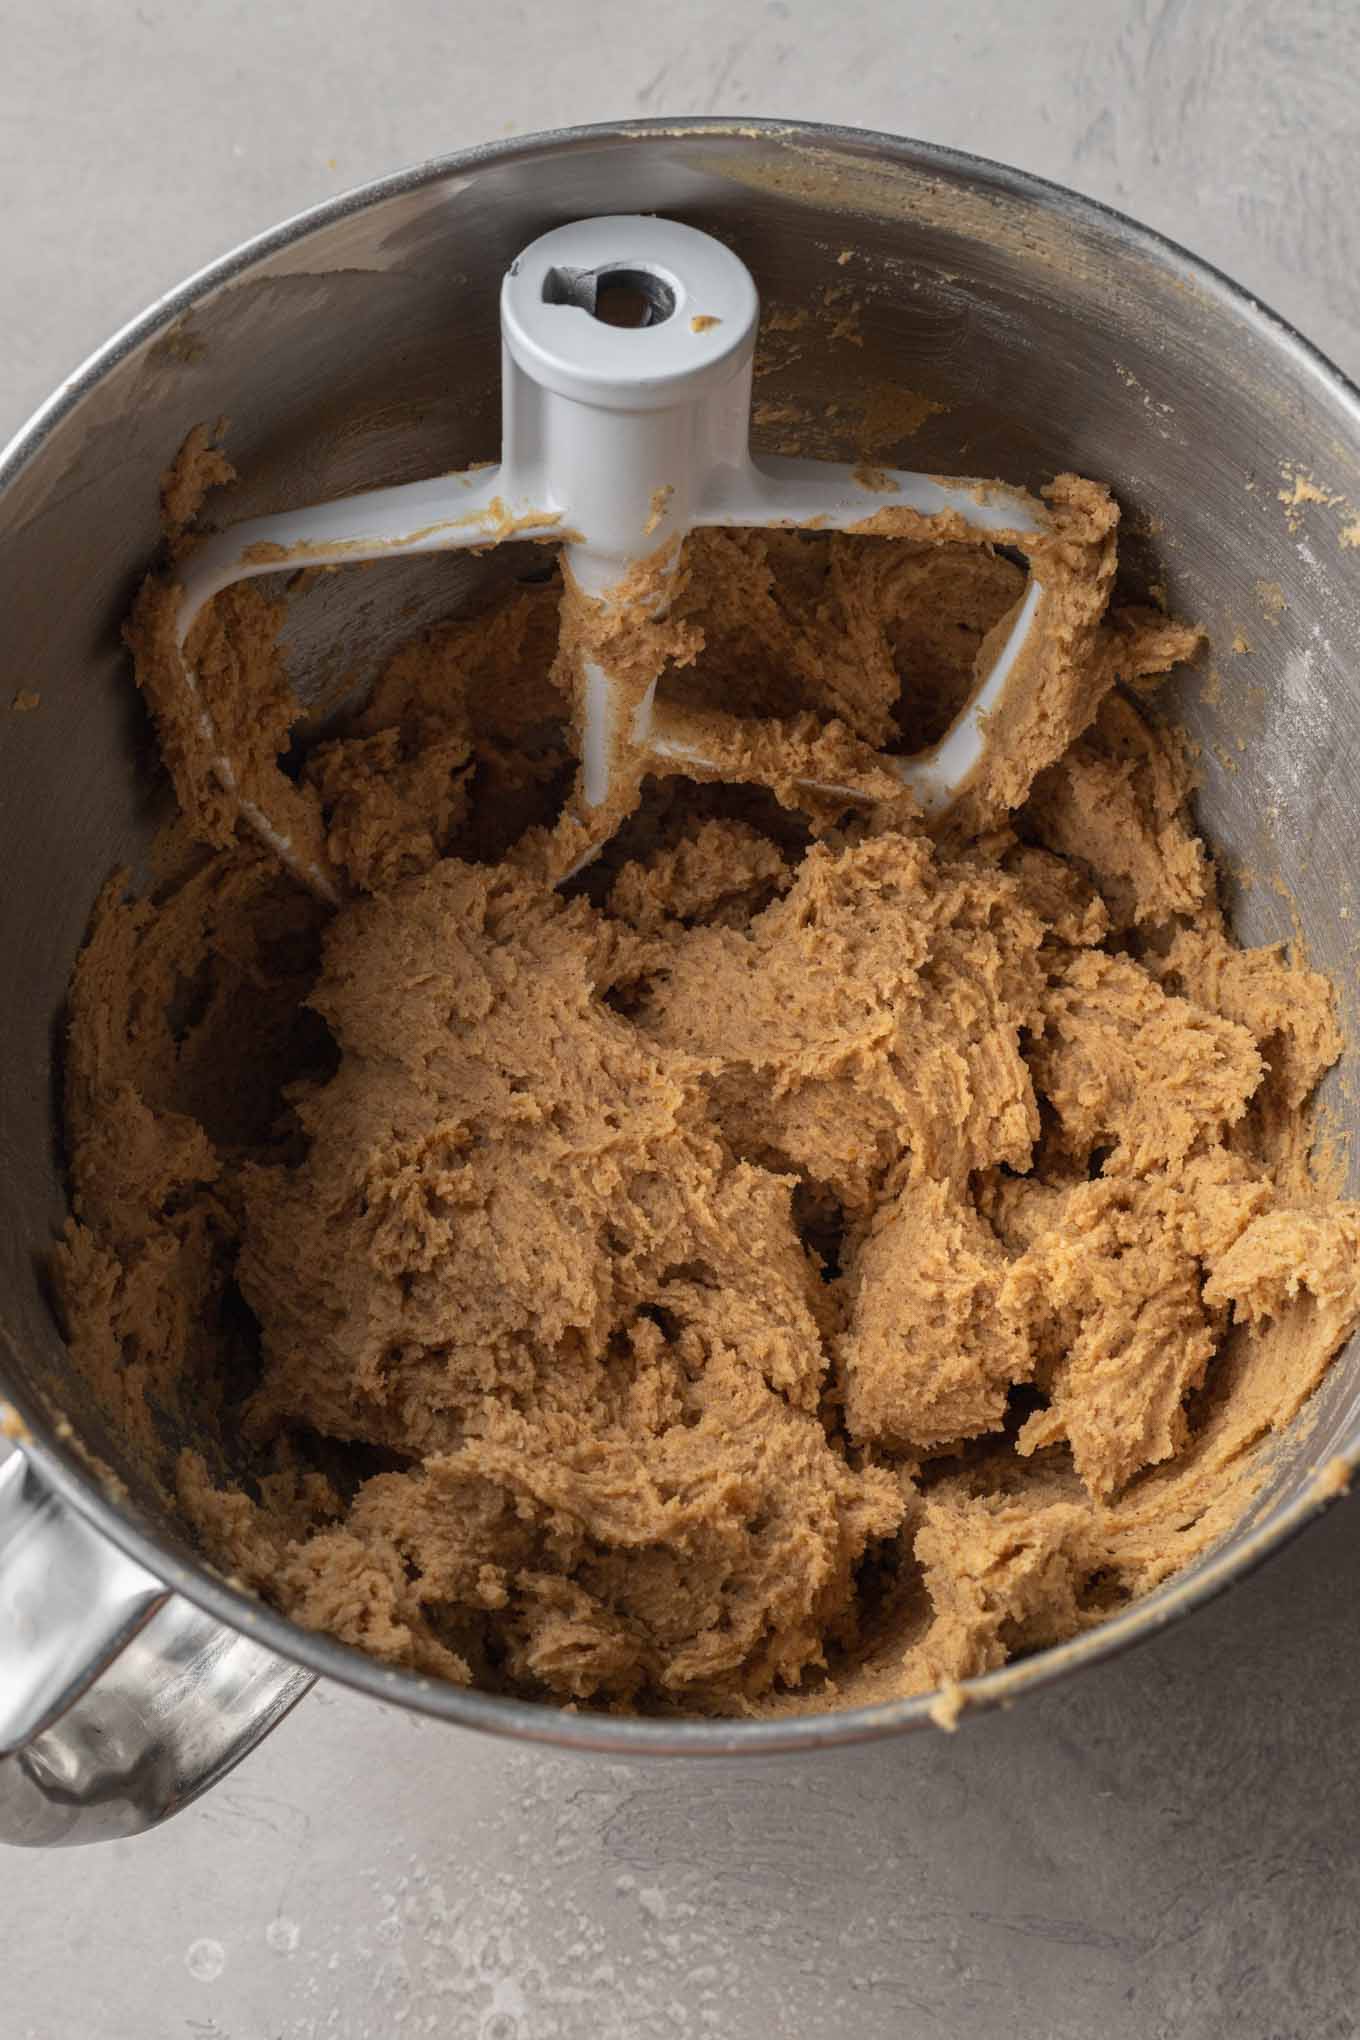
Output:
x=536 y=1721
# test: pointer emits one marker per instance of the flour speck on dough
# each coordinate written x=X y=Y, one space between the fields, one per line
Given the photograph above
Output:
x=810 y=1256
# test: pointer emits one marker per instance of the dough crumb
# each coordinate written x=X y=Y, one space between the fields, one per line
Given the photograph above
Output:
x=12 y=1425
x=948 y=1705
x=1334 y=1478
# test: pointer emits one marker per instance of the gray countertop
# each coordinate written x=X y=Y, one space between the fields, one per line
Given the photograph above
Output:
x=1166 y=1847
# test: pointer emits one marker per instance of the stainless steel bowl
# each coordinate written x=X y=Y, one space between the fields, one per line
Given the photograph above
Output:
x=357 y=345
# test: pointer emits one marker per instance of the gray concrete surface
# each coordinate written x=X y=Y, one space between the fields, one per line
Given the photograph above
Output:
x=1167 y=1848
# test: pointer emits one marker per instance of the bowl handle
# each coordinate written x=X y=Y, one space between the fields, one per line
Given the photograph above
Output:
x=119 y=1701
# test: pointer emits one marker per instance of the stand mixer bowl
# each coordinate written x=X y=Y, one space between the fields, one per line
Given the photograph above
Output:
x=357 y=347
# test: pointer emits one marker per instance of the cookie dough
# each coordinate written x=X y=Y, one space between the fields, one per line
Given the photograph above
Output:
x=812 y=1256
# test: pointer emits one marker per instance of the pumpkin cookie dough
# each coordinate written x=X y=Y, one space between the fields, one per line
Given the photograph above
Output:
x=812 y=1256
